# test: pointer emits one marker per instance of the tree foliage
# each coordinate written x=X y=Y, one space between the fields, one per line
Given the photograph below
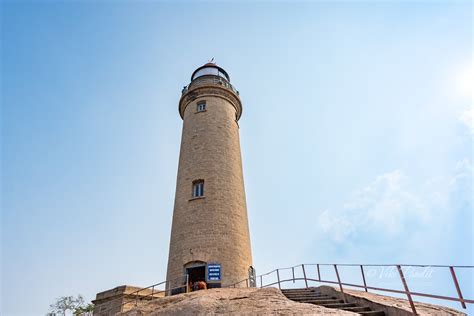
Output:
x=75 y=305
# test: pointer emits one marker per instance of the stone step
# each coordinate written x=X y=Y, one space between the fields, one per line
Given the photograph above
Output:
x=373 y=313
x=291 y=296
x=302 y=298
x=301 y=289
x=313 y=296
x=324 y=302
x=298 y=292
x=357 y=309
x=301 y=292
x=338 y=305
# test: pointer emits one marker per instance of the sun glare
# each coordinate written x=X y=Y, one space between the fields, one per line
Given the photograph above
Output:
x=464 y=81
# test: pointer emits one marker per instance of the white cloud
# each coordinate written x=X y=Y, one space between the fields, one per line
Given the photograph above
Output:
x=461 y=191
x=384 y=206
x=391 y=207
x=340 y=227
x=467 y=118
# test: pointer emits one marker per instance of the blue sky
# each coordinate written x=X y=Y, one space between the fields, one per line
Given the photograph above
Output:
x=357 y=135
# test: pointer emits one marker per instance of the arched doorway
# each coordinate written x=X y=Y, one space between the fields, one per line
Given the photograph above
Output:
x=196 y=271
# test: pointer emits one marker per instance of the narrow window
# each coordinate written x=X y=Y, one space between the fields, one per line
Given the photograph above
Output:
x=198 y=188
x=201 y=106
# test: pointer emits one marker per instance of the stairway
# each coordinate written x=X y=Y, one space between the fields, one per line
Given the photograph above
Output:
x=313 y=296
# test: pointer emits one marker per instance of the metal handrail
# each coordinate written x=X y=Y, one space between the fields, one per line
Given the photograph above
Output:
x=153 y=293
x=399 y=267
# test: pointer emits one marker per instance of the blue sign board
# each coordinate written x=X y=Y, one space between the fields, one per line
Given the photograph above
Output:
x=214 y=272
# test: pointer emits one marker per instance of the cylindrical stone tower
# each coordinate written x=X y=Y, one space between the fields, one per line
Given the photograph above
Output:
x=210 y=235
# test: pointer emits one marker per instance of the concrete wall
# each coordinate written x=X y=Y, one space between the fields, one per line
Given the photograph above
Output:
x=122 y=298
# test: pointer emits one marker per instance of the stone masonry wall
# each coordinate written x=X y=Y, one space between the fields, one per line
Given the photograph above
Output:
x=213 y=228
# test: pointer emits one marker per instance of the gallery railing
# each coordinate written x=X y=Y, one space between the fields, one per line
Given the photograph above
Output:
x=399 y=267
x=206 y=80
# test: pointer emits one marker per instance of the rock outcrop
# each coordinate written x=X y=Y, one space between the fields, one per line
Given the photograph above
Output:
x=243 y=301
x=271 y=301
x=391 y=305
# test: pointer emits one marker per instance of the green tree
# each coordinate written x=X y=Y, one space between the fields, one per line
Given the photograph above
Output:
x=89 y=308
x=75 y=305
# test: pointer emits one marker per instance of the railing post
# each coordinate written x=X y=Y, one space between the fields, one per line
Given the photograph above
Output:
x=293 y=271
x=340 y=284
x=363 y=278
x=187 y=283
x=261 y=281
x=152 y=291
x=304 y=274
x=405 y=285
x=319 y=273
x=278 y=277
x=458 y=289
x=247 y=282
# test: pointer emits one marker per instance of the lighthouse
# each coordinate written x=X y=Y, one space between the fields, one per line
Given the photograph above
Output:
x=210 y=238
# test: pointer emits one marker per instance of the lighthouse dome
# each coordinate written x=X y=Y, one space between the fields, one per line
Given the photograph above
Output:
x=210 y=69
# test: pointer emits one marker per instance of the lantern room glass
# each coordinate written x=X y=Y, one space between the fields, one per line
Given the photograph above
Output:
x=210 y=71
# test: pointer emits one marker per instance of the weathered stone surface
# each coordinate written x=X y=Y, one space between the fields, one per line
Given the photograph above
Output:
x=213 y=228
x=239 y=301
x=390 y=305
x=121 y=298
